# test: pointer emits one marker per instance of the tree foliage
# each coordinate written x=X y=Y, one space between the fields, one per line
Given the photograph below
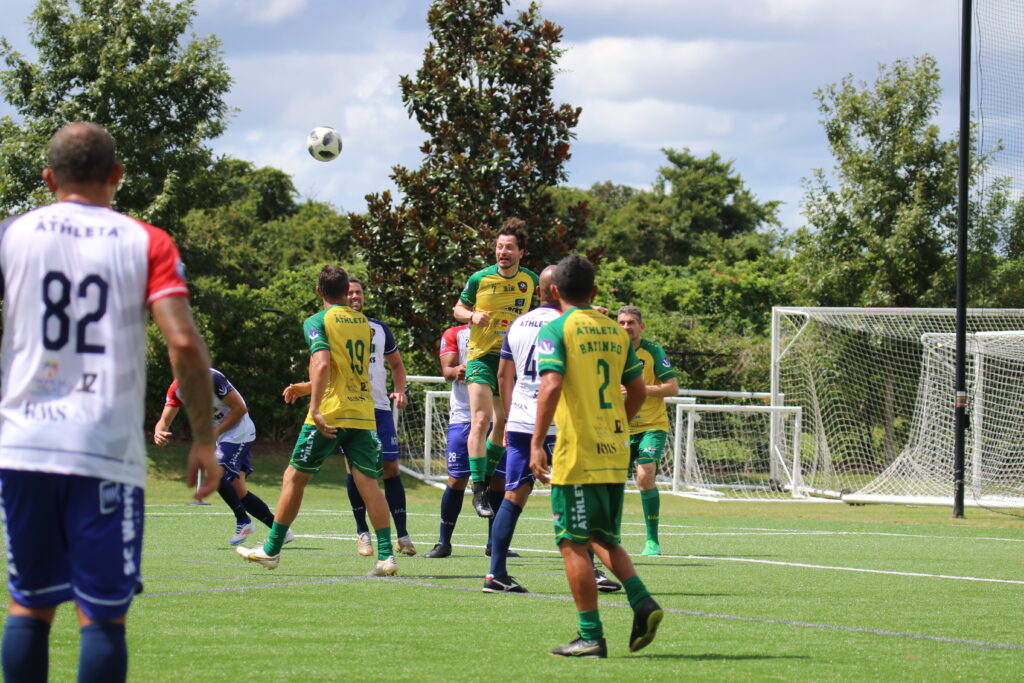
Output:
x=122 y=64
x=496 y=144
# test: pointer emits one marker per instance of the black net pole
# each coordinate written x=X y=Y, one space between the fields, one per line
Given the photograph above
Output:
x=961 y=260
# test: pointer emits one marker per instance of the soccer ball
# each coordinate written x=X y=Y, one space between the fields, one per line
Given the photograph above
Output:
x=324 y=143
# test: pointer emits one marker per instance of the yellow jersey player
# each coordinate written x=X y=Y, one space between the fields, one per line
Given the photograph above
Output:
x=649 y=429
x=583 y=358
x=491 y=300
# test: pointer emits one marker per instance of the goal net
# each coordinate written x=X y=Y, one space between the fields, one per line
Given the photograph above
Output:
x=877 y=391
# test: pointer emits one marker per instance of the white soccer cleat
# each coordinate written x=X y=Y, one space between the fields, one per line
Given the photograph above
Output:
x=364 y=545
x=258 y=556
x=405 y=546
x=289 y=536
x=388 y=567
x=242 y=532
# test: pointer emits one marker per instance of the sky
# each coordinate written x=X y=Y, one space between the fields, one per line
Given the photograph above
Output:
x=736 y=77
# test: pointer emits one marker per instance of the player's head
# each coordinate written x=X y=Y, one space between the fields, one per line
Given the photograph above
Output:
x=511 y=244
x=332 y=284
x=81 y=156
x=575 y=280
x=631 y=321
x=355 y=294
x=548 y=294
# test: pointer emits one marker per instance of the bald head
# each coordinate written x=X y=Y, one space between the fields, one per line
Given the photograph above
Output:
x=547 y=278
x=81 y=153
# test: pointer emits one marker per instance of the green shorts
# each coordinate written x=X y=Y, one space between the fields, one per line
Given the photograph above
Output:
x=484 y=370
x=585 y=511
x=361 y=446
x=647 y=446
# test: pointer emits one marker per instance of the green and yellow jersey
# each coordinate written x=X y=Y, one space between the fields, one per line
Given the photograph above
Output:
x=503 y=298
x=594 y=356
x=657 y=369
x=348 y=400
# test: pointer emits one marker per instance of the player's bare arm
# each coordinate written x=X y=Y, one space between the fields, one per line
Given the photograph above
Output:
x=162 y=428
x=397 y=379
x=669 y=387
x=451 y=369
x=319 y=374
x=636 y=392
x=236 y=410
x=547 y=402
x=506 y=382
x=191 y=365
x=294 y=392
x=465 y=314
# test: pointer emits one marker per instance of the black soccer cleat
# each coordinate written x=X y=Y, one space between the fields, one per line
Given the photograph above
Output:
x=440 y=550
x=646 y=618
x=510 y=553
x=480 y=502
x=582 y=648
x=505 y=584
x=604 y=584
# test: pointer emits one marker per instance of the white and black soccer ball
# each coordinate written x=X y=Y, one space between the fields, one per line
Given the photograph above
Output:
x=324 y=143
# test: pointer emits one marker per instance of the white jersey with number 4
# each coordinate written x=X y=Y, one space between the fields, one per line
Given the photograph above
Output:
x=520 y=347
x=77 y=282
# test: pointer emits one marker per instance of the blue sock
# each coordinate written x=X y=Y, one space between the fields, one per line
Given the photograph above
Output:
x=230 y=497
x=501 y=536
x=451 y=506
x=395 y=494
x=104 y=654
x=26 y=650
x=255 y=506
x=494 y=499
x=358 y=506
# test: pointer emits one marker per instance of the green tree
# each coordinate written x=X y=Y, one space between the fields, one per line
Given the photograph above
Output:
x=122 y=64
x=496 y=145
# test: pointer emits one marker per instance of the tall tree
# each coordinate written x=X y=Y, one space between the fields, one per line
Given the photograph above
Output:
x=122 y=64
x=496 y=144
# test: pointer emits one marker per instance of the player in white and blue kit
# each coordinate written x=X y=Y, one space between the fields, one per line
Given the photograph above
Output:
x=235 y=434
x=77 y=279
x=519 y=383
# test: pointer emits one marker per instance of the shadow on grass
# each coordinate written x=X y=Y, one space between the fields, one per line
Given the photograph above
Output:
x=716 y=657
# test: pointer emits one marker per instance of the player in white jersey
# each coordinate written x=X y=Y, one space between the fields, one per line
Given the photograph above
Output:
x=235 y=433
x=383 y=350
x=77 y=279
x=519 y=384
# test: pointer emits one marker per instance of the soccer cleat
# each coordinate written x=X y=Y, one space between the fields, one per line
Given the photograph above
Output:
x=480 y=502
x=388 y=567
x=242 y=532
x=646 y=618
x=405 y=546
x=258 y=556
x=506 y=584
x=651 y=548
x=582 y=648
x=363 y=545
x=440 y=550
x=510 y=553
x=289 y=536
x=604 y=584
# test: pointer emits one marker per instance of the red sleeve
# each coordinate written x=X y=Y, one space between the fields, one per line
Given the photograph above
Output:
x=449 y=341
x=166 y=271
x=172 y=396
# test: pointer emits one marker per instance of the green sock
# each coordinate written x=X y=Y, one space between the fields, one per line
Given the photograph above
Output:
x=651 y=500
x=478 y=469
x=494 y=456
x=383 y=543
x=590 y=625
x=636 y=591
x=275 y=539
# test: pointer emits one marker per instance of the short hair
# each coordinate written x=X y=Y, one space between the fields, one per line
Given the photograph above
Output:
x=515 y=227
x=81 y=152
x=631 y=310
x=575 y=278
x=353 y=279
x=333 y=283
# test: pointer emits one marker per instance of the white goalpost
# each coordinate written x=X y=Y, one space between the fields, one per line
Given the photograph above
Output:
x=877 y=390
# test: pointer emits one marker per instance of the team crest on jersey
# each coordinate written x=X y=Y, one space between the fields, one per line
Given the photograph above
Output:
x=522 y=286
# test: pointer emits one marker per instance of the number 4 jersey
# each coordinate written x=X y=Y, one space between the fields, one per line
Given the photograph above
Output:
x=77 y=281
x=520 y=347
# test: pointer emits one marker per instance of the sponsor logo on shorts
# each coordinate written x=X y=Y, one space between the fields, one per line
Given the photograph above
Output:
x=110 y=496
x=128 y=530
x=580 y=507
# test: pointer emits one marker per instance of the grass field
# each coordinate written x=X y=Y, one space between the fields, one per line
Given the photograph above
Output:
x=752 y=591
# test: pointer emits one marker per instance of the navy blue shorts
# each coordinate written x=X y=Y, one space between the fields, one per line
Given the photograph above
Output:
x=517 y=467
x=458 y=450
x=72 y=538
x=235 y=458
x=387 y=434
